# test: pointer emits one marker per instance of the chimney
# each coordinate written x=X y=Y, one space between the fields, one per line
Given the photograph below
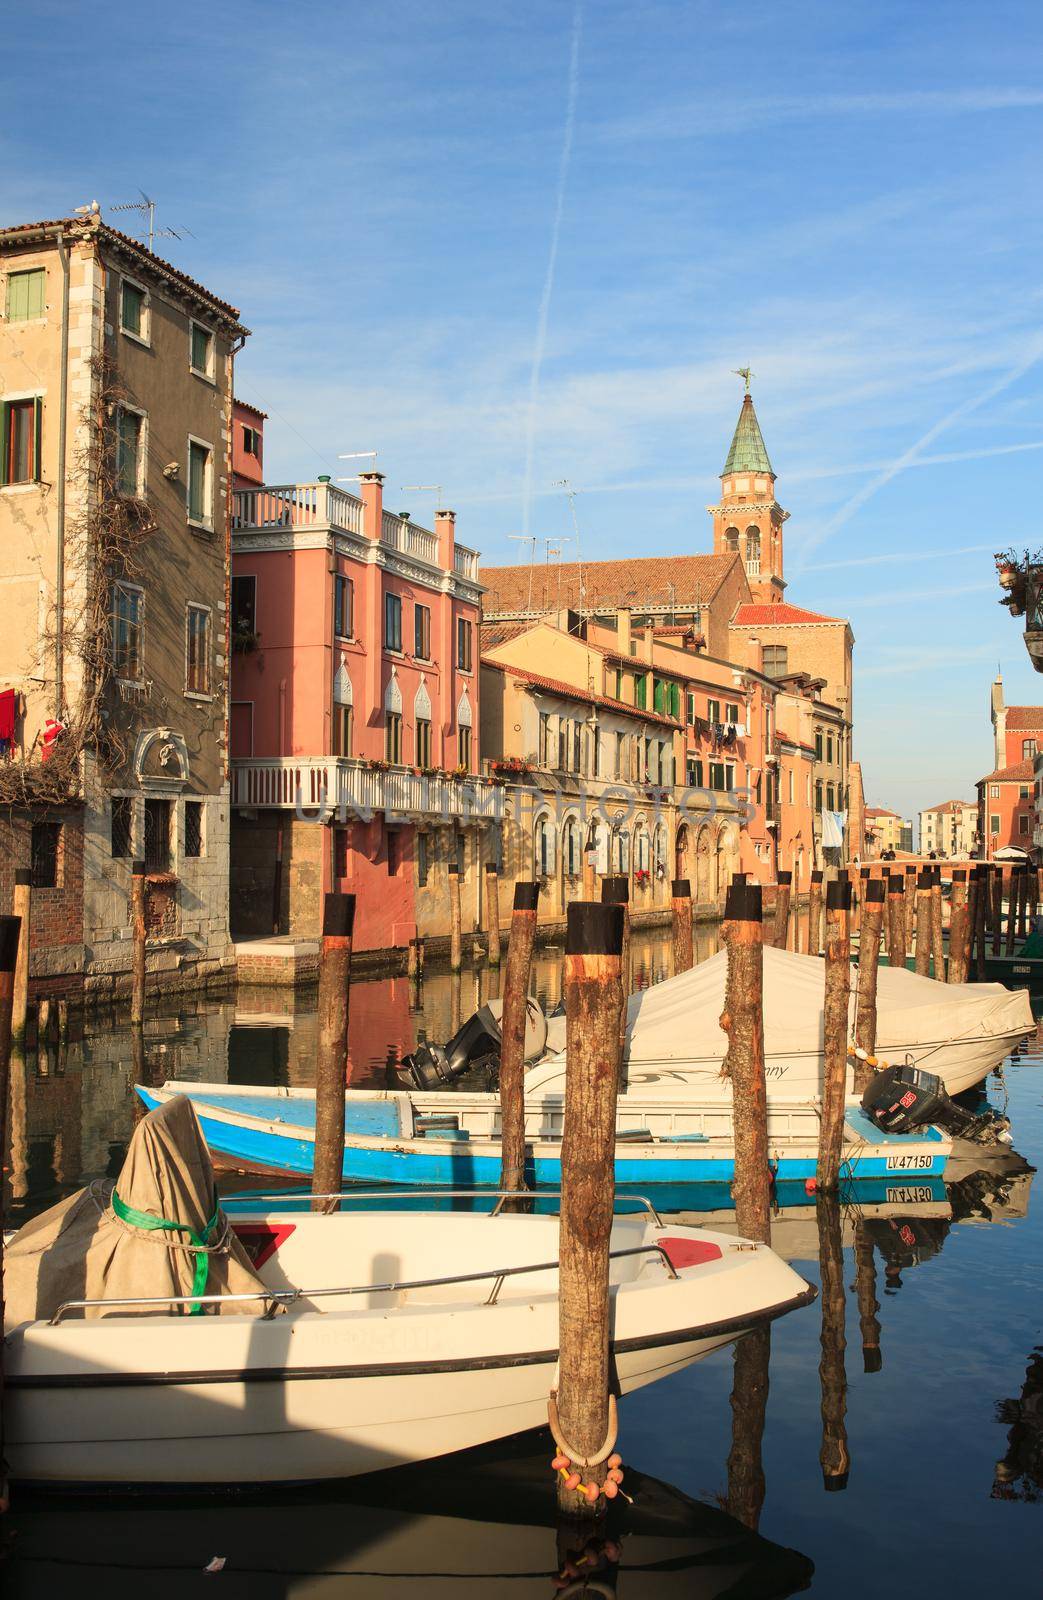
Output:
x=623 y=629
x=754 y=654
x=445 y=529
x=372 y=490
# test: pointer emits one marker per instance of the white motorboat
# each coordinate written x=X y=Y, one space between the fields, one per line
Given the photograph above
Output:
x=959 y=1032
x=327 y=1345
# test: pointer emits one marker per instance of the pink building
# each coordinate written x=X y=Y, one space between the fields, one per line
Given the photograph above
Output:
x=355 y=715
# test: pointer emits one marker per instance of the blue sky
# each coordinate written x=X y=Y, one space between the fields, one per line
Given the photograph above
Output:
x=508 y=245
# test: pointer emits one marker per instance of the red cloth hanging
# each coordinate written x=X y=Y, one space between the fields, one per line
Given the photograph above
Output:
x=8 y=702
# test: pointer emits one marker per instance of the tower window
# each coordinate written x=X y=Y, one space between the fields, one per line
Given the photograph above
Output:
x=753 y=550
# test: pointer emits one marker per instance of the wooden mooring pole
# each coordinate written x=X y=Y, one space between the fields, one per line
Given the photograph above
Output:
x=981 y=922
x=833 y=1454
x=331 y=1068
x=520 y=943
x=836 y=1002
x=9 y=927
x=743 y=1022
x=815 y=913
x=959 y=928
x=937 y=938
x=923 y=922
x=868 y=1304
x=21 y=903
x=996 y=918
x=783 y=896
x=137 y=914
x=615 y=891
x=456 y=958
x=868 y=957
x=492 y=912
x=593 y=1002
x=1023 y=898
x=910 y=908
x=896 y=951
x=681 y=909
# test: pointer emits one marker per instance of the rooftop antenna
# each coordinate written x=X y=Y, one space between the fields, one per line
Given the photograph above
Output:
x=357 y=455
x=147 y=207
x=425 y=488
x=530 y=540
x=563 y=483
x=554 y=549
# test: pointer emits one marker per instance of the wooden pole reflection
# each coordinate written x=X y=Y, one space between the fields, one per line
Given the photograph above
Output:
x=868 y=1304
x=833 y=1454
x=749 y=1402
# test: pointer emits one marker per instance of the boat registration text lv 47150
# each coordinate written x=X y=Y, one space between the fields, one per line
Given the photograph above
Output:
x=911 y=1163
x=904 y=1192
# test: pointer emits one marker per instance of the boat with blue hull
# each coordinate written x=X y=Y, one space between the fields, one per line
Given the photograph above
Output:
x=452 y=1139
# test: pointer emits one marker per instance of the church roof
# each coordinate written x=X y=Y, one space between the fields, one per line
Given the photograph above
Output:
x=747 y=453
x=680 y=581
x=1024 y=718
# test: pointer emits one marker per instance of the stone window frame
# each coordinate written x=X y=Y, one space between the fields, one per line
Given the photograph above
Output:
x=204 y=524
x=141 y=486
x=208 y=374
x=144 y=339
x=205 y=695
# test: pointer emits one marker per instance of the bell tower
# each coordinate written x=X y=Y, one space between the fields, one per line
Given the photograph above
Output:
x=749 y=519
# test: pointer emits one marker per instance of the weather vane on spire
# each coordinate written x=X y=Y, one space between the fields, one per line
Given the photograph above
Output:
x=745 y=374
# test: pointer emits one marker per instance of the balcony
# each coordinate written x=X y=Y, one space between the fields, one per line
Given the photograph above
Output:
x=296 y=505
x=465 y=563
x=332 y=785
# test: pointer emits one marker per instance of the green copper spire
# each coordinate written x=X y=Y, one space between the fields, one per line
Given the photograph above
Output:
x=747 y=453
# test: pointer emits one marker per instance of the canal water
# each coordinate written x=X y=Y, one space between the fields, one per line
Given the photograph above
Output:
x=930 y=1425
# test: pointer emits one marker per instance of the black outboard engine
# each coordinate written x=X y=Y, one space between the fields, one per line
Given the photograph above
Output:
x=432 y=1066
x=902 y=1099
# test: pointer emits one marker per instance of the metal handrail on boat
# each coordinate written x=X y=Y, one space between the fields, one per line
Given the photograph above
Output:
x=288 y=1297
x=443 y=1194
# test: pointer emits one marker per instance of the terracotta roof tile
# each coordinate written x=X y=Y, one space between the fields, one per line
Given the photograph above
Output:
x=648 y=580
x=497 y=633
x=1018 y=773
x=754 y=616
x=571 y=691
x=1019 y=717
x=953 y=805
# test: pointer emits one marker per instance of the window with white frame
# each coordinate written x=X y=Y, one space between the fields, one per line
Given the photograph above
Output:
x=128 y=605
x=21 y=430
x=197 y=649
x=134 y=310
x=200 y=483
x=201 y=350
x=543 y=850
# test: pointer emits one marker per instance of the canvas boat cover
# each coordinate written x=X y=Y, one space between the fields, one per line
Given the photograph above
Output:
x=679 y=1020
x=82 y=1250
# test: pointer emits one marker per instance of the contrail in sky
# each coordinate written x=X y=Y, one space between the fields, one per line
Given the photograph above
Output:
x=552 y=262
x=908 y=459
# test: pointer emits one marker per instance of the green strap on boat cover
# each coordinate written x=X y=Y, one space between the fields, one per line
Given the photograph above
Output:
x=200 y=1241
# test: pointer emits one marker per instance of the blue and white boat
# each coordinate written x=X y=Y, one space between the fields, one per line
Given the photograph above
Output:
x=452 y=1139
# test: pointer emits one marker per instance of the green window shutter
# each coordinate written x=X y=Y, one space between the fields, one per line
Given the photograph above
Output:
x=675 y=700
x=640 y=690
x=25 y=292
x=35 y=292
x=37 y=439
x=658 y=695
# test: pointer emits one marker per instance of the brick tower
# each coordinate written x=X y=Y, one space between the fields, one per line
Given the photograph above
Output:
x=749 y=518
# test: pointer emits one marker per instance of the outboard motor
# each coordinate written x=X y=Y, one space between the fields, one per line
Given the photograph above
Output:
x=902 y=1099
x=432 y=1066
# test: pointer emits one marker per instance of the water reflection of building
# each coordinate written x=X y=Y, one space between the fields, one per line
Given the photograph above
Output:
x=1019 y=1476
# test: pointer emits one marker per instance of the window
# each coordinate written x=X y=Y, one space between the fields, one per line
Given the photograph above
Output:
x=544 y=852
x=392 y=622
x=20 y=458
x=994 y=824
x=713 y=710
x=252 y=442
x=244 y=605
x=577 y=747
x=463 y=644
x=830 y=796
x=343 y=607
x=619 y=683
x=422 y=632
x=395 y=852
x=343 y=728
x=200 y=483
x=674 y=700
x=423 y=849
x=690 y=708
x=1028 y=749
x=342 y=853
x=695 y=773
x=25 y=295
x=193 y=828
x=731 y=713
x=776 y=660
x=423 y=741
x=659 y=690
x=393 y=738
x=121 y=826
x=1023 y=791
x=1023 y=824
x=201 y=351
x=753 y=551
x=464 y=748
x=127 y=607
x=722 y=776
x=818 y=796
x=130 y=455
x=134 y=310
x=570 y=848
x=619 y=770
x=544 y=746
x=818 y=745
x=157 y=835
x=640 y=690
x=197 y=650
x=994 y=791
x=45 y=844
x=829 y=751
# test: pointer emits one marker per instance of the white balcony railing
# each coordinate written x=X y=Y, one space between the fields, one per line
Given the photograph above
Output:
x=398 y=533
x=331 y=784
x=465 y=563
x=297 y=505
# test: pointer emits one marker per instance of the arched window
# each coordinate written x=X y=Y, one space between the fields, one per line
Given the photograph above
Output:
x=818 y=795
x=570 y=852
x=830 y=797
x=731 y=539
x=621 y=849
x=753 y=550
x=544 y=848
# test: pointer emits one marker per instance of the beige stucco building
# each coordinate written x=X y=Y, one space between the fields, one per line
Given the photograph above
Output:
x=116 y=392
x=950 y=829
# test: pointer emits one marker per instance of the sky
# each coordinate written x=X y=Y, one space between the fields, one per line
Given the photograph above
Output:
x=506 y=246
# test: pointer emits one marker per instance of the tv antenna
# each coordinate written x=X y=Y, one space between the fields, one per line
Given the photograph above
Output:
x=425 y=488
x=530 y=540
x=563 y=483
x=147 y=207
x=358 y=455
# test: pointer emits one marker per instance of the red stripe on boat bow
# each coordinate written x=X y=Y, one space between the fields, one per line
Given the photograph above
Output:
x=689 y=1252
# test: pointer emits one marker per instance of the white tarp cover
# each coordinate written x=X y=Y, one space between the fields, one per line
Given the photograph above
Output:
x=679 y=1020
x=80 y=1250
